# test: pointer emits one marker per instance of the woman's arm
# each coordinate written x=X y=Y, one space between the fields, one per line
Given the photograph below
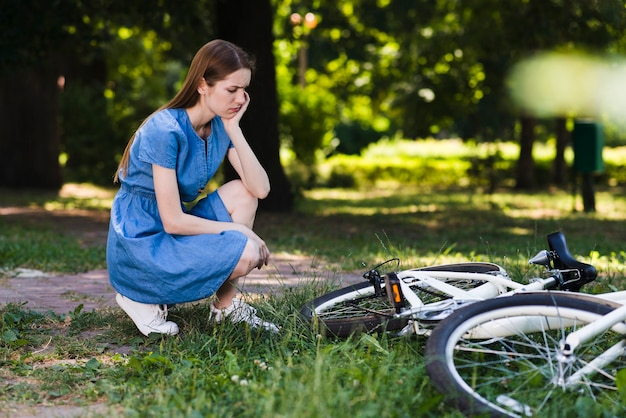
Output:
x=243 y=159
x=175 y=220
x=252 y=174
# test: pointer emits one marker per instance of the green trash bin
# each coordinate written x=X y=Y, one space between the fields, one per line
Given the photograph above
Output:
x=588 y=141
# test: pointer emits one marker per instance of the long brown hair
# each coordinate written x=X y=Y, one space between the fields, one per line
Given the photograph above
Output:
x=215 y=61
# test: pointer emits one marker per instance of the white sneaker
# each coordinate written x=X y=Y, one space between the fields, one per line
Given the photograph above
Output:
x=148 y=318
x=240 y=311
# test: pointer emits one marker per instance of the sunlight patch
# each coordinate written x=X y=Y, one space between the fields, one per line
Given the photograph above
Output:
x=25 y=273
x=557 y=84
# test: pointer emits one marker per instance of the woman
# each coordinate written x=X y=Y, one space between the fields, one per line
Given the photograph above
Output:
x=158 y=251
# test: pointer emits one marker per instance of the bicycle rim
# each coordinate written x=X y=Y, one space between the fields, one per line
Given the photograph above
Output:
x=501 y=356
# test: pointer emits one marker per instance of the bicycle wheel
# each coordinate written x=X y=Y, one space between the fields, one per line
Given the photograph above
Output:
x=358 y=308
x=500 y=357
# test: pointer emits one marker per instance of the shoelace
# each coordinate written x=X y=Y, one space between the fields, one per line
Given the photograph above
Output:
x=161 y=314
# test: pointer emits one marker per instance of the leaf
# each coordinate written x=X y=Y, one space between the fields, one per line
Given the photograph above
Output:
x=9 y=336
x=370 y=341
x=620 y=380
x=135 y=363
x=93 y=364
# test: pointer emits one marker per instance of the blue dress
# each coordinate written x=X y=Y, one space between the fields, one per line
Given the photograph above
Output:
x=145 y=263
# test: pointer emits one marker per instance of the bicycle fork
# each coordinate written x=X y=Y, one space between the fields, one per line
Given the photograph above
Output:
x=613 y=320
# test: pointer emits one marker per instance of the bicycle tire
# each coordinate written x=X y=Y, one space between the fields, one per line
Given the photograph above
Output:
x=330 y=315
x=508 y=371
x=343 y=327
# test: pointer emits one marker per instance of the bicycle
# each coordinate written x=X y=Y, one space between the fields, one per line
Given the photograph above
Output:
x=414 y=301
x=520 y=356
x=497 y=347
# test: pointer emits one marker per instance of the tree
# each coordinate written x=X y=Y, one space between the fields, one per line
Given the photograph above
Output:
x=30 y=61
x=439 y=67
x=248 y=23
x=559 y=170
x=72 y=44
x=38 y=57
x=29 y=151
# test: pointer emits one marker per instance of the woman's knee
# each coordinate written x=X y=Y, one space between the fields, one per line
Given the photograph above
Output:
x=239 y=202
x=235 y=193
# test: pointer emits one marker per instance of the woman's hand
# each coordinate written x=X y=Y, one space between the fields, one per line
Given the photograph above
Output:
x=264 y=252
x=233 y=122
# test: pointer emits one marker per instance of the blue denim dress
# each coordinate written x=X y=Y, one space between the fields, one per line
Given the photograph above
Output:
x=145 y=263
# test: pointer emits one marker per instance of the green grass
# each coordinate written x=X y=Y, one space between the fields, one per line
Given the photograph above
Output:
x=221 y=371
x=87 y=358
x=43 y=248
x=354 y=227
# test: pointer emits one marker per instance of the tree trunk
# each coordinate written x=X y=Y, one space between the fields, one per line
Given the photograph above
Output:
x=559 y=173
x=29 y=149
x=248 y=23
x=525 y=163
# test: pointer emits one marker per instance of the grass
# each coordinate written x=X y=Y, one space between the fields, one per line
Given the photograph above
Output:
x=98 y=358
x=354 y=227
x=210 y=371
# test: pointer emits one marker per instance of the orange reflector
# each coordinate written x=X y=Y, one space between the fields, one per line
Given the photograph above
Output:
x=397 y=296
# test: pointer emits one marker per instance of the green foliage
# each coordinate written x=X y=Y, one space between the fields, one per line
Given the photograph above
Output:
x=424 y=172
x=14 y=321
x=374 y=68
x=429 y=163
x=87 y=153
x=232 y=370
x=97 y=124
x=353 y=136
x=449 y=164
x=307 y=118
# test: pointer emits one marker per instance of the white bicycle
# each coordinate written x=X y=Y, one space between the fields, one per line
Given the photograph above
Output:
x=519 y=355
x=416 y=300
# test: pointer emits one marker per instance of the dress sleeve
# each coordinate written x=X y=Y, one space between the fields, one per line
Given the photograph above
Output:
x=159 y=141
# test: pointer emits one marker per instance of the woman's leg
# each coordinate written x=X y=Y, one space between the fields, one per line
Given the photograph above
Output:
x=247 y=262
x=242 y=207
x=225 y=306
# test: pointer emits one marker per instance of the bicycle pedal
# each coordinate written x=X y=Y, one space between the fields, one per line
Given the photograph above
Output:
x=394 y=291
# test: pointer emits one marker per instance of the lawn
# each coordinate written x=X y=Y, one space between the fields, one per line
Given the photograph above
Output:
x=98 y=358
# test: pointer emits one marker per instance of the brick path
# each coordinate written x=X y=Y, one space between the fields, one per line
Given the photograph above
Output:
x=63 y=294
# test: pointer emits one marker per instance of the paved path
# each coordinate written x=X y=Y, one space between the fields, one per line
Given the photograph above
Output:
x=63 y=294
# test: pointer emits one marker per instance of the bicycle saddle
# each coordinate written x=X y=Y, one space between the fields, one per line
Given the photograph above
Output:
x=563 y=260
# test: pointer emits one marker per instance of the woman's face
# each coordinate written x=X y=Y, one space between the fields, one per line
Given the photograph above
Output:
x=227 y=96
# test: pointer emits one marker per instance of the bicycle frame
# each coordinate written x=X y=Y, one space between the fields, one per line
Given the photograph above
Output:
x=495 y=286
x=420 y=297
x=613 y=320
x=573 y=340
